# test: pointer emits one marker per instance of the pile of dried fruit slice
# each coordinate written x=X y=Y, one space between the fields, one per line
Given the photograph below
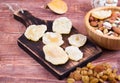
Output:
x=53 y=40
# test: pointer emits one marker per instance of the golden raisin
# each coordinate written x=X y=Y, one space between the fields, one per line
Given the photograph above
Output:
x=85 y=79
x=70 y=80
x=95 y=80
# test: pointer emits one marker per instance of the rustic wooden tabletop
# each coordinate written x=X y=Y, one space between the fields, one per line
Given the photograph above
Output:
x=16 y=66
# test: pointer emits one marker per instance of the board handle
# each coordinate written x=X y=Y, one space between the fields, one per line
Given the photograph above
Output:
x=27 y=18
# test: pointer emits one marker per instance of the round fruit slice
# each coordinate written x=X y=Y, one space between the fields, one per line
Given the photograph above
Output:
x=62 y=25
x=52 y=38
x=55 y=54
x=58 y=6
x=77 y=40
x=74 y=53
x=102 y=14
x=35 y=32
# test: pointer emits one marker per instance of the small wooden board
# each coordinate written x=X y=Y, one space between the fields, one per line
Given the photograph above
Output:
x=35 y=50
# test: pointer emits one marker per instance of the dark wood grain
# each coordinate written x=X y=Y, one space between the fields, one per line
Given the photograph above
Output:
x=16 y=66
x=35 y=49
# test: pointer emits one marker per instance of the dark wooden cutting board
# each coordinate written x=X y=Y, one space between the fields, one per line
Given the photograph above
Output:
x=35 y=49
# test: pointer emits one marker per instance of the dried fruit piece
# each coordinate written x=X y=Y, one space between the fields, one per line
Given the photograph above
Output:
x=74 y=53
x=98 y=73
x=70 y=80
x=55 y=54
x=85 y=79
x=54 y=38
x=77 y=40
x=99 y=68
x=62 y=25
x=58 y=6
x=116 y=29
x=94 y=23
x=95 y=80
x=102 y=14
x=35 y=32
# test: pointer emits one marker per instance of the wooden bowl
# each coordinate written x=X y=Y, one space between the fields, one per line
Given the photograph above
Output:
x=107 y=42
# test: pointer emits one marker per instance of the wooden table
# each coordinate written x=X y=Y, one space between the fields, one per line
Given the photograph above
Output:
x=16 y=66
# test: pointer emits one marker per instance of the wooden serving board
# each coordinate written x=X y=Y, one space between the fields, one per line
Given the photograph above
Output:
x=35 y=49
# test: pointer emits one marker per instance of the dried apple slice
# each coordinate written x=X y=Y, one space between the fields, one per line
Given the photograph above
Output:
x=35 y=32
x=58 y=6
x=74 y=53
x=77 y=40
x=54 y=38
x=55 y=54
x=62 y=25
x=101 y=14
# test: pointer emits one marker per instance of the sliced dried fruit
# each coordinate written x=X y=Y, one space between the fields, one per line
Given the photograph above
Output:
x=77 y=40
x=74 y=53
x=102 y=14
x=54 y=38
x=62 y=25
x=35 y=32
x=58 y=6
x=55 y=54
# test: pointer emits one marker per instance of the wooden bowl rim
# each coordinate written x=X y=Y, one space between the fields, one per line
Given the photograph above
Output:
x=92 y=28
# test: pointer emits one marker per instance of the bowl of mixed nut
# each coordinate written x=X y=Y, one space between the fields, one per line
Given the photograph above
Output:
x=103 y=26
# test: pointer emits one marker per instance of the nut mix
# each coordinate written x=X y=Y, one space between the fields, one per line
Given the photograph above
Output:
x=109 y=26
x=94 y=74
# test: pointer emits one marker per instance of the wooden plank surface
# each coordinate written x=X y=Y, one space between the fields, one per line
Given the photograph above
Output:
x=16 y=66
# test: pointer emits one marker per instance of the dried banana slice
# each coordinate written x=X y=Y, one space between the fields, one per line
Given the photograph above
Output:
x=62 y=25
x=54 y=38
x=58 y=6
x=102 y=14
x=35 y=32
x=77 y=40
x=74 y=53
x=55 y=54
